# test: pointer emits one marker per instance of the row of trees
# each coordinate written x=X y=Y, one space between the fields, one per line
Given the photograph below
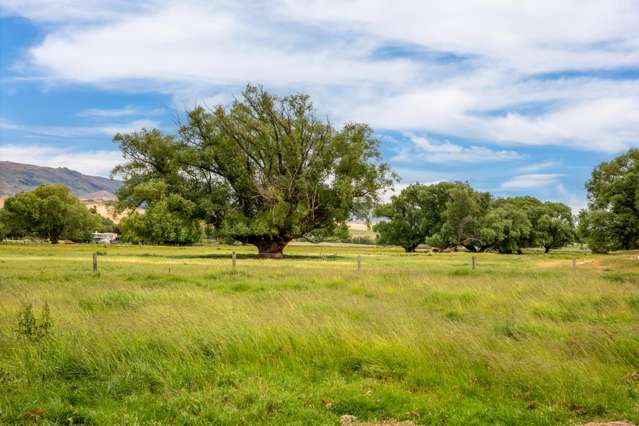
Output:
x=50 y=212
x=452 y=214
x=266 y=170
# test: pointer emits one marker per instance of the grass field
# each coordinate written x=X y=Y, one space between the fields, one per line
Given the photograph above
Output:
x=174 y=336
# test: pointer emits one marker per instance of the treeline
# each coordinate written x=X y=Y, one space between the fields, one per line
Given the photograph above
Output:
x=266 y=170
x=50 y=212
x=448 y=215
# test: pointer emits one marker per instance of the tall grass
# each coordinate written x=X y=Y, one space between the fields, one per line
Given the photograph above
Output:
x=174 y=336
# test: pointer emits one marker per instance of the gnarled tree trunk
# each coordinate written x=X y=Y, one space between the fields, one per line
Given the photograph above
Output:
x=268 y=247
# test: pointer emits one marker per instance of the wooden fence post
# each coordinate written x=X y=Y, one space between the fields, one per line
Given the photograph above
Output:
x=95 y=262
x=474 y=262
x=234 y=259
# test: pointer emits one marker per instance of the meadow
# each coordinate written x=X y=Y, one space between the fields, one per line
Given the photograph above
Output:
x=175 y=336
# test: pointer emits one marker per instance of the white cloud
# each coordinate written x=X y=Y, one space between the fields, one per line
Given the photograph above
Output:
x=79 y=131
x=126 y=111
x=530 y=181
x=73 y=11
x=528 y=35
x=94 y=163
x=423 y=149
x=199 y=51
x=537 y=167
x=218 y=48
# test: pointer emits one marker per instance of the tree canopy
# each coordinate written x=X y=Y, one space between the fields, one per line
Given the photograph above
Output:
x=451 y=214
x=263 y=171
x=612 y=219
x=167 y=220
x=51 y=212
x=412 y=215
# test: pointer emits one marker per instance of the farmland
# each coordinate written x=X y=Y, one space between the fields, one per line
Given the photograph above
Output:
x=176 y=336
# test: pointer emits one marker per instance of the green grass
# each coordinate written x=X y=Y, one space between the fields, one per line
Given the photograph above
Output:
x=174 y=336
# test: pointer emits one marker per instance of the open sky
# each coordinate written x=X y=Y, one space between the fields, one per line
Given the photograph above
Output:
x=515 y=97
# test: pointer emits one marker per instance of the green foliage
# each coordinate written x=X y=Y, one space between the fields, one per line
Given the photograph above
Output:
x=602 y=230
x=506 y=229
x=555 y=226
x=168 y=220
x=51 y=212
x=551 y=224
x=448 y=215
x=4 y=230
x=612 y=219
x=463 y=213
x=102 y=224
x=413 y=215
x=30 y=327
x=263 y=171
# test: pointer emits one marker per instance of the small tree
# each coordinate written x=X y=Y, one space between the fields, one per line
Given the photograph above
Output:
x=264 y=171
x=49 y=211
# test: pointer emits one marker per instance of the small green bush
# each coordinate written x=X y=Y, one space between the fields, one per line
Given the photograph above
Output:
x=30 y=327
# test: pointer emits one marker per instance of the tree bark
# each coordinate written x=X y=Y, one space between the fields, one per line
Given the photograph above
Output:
x=270 y=248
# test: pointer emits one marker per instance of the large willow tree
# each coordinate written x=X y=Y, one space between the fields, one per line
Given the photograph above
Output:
x=263 y=171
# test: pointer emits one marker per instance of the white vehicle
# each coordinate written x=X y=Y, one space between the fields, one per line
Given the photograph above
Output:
x=104 y=237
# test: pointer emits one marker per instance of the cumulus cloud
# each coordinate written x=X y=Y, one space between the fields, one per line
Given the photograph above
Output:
x=465 y=69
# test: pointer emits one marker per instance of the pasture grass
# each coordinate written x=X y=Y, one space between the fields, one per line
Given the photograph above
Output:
x=175 y=336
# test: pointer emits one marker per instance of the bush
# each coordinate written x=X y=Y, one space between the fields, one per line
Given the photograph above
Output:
x=30 y=327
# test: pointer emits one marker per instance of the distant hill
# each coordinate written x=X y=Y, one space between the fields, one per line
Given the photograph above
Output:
x=17 y=177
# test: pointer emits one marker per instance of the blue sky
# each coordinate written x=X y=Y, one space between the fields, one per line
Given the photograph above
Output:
x=514 y=97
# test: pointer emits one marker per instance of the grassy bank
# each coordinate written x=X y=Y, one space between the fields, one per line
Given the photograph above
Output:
x=174 y=336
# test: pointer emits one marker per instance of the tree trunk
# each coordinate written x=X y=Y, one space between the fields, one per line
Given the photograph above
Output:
x=546 y=249
x=270 y=248
x=471 y=248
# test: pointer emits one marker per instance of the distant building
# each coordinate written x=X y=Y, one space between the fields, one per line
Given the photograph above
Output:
x=104 y=237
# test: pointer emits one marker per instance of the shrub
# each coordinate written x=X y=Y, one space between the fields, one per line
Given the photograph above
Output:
x=30 y=327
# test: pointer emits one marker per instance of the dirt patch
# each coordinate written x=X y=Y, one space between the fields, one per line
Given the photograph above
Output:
x=567 y=263
x=352 y=421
